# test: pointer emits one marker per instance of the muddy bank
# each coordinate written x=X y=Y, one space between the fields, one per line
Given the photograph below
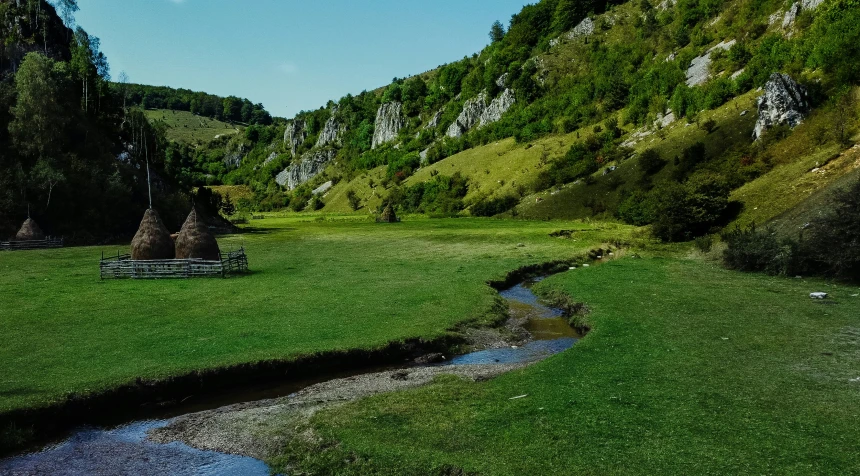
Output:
x=145 y=400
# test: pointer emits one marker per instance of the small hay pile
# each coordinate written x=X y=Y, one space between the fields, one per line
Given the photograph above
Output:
x=388 y=215
x=30 y=231
x=152 y=240
x=195 y=240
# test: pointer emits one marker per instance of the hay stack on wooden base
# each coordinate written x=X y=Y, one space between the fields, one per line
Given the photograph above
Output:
x=30 y=231
x=388 y=215
x=195 y=240
x=152 y=240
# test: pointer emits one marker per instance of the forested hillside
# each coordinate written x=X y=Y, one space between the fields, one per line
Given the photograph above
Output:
x=596 y=84
x=71 y=155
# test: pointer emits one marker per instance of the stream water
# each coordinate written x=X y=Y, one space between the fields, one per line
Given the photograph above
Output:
x=125 y=449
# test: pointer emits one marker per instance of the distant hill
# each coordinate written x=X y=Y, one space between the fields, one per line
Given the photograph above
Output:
x=191 y=129
x=227 y=109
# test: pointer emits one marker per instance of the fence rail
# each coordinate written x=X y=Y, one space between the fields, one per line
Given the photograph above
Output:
x=48 y=242
x=123 y=267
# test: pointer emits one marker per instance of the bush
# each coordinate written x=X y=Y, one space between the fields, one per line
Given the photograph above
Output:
x=752 y=250
x=689 y=210
x=704 y=243
x=354 y=201
x=650 y=162
x=493 y=207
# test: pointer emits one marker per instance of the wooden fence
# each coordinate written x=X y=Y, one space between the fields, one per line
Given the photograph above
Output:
x=123 y=267
x=48 y=242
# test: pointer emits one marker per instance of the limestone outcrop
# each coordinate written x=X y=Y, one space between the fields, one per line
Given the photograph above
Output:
x=295 y=135
x=784 y=102
x=332 y=131
x=234 y=156
x=498 y=107
x=312 y=164
x=389 y=121
x=434 y=121
x=476 y=112
x=699 y=70
x=469 y=117
x=584 y=29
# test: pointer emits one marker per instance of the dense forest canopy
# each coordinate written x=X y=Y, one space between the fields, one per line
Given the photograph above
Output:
x=228 y=109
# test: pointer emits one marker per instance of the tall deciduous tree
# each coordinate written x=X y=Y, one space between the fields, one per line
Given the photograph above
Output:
x=497 y=32
x=39 y=117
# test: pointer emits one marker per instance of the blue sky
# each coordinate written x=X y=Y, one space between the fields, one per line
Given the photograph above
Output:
x=289 y=55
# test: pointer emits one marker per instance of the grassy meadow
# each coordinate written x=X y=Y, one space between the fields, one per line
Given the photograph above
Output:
x=689 y=369
x=317 y=284
x=188 y=128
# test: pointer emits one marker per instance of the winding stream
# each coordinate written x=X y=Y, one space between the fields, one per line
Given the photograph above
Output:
x=125 y=449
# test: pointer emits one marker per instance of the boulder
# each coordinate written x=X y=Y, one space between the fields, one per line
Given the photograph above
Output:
x=818 y=295
x=295 y=135
x=784 y=102
x=791 y=15
x=389 y=121
x=311 y=164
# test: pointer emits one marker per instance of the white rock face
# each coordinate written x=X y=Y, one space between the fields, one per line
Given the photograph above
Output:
x=311 y=165
x=477 y=113
x=584 y=29
x=434 y=121
x=791 y=15
x=784 y=102
x=811 y=4
x=234 y=157
x=700 y=68
x=498 y=107
x=502 y=81
x=389 y=121
x=270 y=158
x=469 y=117
x=322 y=189
x=665 y=120
x=331 y=132
x=295 y=135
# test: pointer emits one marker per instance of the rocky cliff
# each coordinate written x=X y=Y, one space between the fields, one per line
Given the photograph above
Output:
x=312 y=164
x=332 y=131
x=784 y=102
x=389 y=121
x=295 y=135
x=476 y=112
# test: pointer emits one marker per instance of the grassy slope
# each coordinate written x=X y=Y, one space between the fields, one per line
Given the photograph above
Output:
x=316 y=286
x=183 y=126
x=689 y=369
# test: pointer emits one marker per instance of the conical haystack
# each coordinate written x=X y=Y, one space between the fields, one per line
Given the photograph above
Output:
x=30 y=231
x=388 y=215
x=195 y=240
x=152 y=240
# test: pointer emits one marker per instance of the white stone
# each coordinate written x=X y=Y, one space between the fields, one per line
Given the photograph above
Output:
x=389 y=121
x=818 y=295
x=700 y=67
x=784 y=102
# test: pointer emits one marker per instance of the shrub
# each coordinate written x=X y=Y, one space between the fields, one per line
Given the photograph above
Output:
x=704 y=243
x=749 y=249
x=495 y=206
x=650 y=161
x=352 y=198
x=689 y=210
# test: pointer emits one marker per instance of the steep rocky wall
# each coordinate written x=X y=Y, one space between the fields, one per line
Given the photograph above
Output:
x=476 y=112
x=389 y=121
x=312 y=164
x=330 y=135
x=295 y=135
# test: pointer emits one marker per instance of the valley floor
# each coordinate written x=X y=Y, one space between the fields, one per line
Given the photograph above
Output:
x=688 y=368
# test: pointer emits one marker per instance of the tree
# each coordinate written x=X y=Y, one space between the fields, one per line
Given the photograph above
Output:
x=39 y=117
x=497 y=32
x=68 y=8
x=47 y=176
x=568 y=13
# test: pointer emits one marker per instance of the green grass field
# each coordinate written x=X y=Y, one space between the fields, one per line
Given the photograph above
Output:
x=318 y=284
x=183 y=126
x=689 y=369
